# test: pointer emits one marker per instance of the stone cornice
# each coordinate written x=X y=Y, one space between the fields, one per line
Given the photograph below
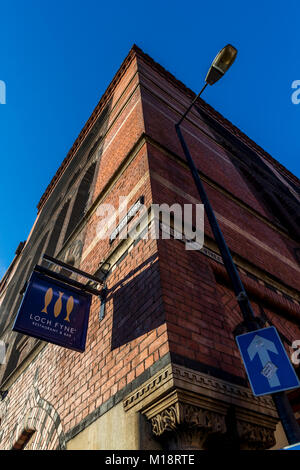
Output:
x=208 y=387
x=232 y=394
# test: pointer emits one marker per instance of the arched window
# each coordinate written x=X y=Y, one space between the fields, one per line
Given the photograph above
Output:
x=73 y=179
x=15 y=291
x=55 y=207
x=23 y=439
x=12 y=294
x=3 y=307
x=26 y=271
x=81 y=200
x=54 y=237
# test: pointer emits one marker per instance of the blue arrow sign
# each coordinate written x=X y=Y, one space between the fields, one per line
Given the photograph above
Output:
x=292 y=447
x=261 y=346
x=266 y=362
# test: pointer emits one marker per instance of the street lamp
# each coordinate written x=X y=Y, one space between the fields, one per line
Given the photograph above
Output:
x=221 y=63
x=219 y=67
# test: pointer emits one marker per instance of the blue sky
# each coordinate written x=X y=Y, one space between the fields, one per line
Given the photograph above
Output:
x=58 y=57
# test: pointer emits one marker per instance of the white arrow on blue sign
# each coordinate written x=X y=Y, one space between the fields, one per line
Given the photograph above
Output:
x=292 y=447
x=267 y=364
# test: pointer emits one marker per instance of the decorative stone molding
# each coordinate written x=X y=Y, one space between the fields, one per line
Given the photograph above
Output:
x=222 y=390
x=184 y=414
x=167 y=420
x=255 y=431
x=206 y=385
x=255 y=437
x=184 y=421
x=187 y=409
x=159 y=382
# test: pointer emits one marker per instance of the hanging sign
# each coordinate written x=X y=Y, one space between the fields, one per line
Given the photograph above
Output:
x=55 y=312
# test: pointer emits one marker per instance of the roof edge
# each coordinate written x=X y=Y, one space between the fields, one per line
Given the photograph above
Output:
x=88 y=125
x=134 y=51
x=219 y=117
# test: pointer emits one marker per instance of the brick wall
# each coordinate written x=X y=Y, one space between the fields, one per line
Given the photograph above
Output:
x=164 y=303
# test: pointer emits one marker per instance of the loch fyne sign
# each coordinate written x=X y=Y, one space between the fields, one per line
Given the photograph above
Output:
x=54 y=312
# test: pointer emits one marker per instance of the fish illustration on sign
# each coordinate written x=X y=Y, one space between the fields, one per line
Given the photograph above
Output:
x=70 y=305
x=58 y=305
x=47 y=300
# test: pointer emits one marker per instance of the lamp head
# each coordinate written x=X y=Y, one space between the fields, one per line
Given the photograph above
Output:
x=223 y=60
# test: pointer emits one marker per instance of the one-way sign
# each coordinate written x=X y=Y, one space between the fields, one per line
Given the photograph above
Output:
x=267 y=364
x=292 y=447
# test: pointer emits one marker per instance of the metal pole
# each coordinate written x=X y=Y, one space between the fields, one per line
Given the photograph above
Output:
x=191 y=105
x=238 y=287
x=284 y=409
x=287 y=417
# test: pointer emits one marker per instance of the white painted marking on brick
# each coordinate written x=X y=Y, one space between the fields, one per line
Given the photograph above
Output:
x=189 y=132
x=227 y=222
x=119 y=212
x=124 y=121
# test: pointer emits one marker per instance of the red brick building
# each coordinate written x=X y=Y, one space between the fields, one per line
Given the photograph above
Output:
x=161 y=369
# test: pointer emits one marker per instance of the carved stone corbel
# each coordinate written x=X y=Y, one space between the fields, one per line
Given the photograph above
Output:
x=183 y=421
x=255 y=437
x=254 y=432
x=188 y=409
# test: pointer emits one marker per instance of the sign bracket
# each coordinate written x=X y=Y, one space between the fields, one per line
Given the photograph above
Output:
x=68 y=267
x=101 y=294
x=66 y=280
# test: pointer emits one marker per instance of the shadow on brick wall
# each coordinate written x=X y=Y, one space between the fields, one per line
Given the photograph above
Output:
x=276 y=196
x=137 y=303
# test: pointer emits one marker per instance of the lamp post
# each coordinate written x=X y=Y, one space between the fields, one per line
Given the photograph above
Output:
x=219 y=67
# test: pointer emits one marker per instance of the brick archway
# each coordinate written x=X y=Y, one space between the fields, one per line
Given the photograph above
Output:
x=40 y=427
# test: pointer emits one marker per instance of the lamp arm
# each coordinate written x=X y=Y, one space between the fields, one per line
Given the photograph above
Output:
x=191 y=105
